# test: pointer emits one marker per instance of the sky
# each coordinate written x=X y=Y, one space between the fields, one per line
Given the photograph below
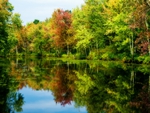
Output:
x=41 y=9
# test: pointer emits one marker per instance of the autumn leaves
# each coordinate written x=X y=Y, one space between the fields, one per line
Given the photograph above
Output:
x=101 y=30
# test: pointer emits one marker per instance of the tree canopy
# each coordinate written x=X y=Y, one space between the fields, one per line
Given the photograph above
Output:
x=99 y=29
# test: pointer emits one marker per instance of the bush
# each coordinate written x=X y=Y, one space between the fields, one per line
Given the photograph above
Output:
x=146 y=60
x=71 y=56
x=92 y=56
x=105 y=56
x=108 y=56
x=79 y=56
x=64 y=56
x=143 y=59
x=140 y=59
x=126 y=59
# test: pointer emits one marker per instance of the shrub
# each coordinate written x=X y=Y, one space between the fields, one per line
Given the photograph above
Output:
x=146 y=60
x=92 y=56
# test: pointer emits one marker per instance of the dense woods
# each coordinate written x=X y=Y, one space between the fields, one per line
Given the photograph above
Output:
x=108 y=30
x=98 y=30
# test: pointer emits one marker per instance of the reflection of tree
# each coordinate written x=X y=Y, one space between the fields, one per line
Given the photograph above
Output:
x=10 y=101
x=15 y=102
x=63 y=84
x=101 y=87
x=41 y=74
x=91 y=91
x=141 y=98
x=142 y=101
x=32 y=72
x=109 y=89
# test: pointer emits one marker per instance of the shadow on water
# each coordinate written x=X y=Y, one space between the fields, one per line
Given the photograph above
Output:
x=101 y=87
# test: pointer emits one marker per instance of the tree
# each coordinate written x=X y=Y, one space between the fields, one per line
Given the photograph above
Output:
x=15 y=33
x=88 y=23
x=36 y=21
x=38 y=38
x=140 y=26
x=5 y=14
x=118 y=17
x=82 y=34
x=60 y=29
x=94 y=14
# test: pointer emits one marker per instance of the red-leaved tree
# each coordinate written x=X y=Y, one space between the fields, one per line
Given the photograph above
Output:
x=61 y=29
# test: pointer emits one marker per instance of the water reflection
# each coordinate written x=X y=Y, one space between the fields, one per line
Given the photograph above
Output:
x=10 y=99
x=42 y=101
x=110 y=87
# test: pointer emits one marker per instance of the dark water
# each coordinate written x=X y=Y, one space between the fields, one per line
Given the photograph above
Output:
x=61 y=86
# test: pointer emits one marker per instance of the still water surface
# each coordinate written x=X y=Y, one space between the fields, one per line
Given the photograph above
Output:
x=61 y=86
x=43 y=102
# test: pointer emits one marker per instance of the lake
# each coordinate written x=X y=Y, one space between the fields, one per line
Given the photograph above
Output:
x=52 y=85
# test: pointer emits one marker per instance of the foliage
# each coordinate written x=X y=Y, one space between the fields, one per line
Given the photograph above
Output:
x=61 y=29
x=99 y=29
x=5 y=14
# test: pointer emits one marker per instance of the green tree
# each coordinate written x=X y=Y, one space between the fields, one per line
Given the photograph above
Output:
x=14 y=32
x=88 y=23
x=82 y=34
x=5 y=14
x=94 y=14
x=118 y=16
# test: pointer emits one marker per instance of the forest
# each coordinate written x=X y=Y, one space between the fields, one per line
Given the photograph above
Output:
x=98 y=30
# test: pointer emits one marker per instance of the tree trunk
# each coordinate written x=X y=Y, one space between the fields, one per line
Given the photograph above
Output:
x=97 y=47
x=132 y=47
x=148 y=47
x=68 y=52
x=16 y=50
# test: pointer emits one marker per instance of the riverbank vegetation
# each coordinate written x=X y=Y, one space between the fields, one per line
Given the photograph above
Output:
x=98 y=30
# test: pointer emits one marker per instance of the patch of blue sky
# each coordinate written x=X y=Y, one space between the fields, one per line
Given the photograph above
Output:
x=41 y=9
